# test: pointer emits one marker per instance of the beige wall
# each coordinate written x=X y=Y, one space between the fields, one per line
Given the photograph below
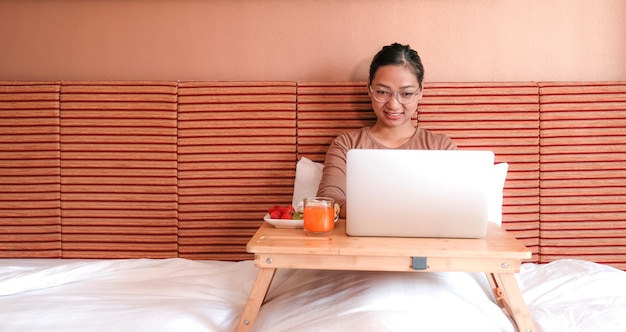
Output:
x=459 y=40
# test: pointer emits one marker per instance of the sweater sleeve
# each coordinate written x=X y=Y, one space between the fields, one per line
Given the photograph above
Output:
x=333 y=182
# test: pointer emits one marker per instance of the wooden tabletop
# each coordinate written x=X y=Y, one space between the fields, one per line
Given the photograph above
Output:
x=497 y=252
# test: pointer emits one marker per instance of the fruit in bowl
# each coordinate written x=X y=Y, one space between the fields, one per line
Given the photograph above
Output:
x=284 y=217
x=282 y=212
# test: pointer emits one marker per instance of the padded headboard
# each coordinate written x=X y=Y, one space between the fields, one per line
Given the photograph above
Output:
x=187 y=169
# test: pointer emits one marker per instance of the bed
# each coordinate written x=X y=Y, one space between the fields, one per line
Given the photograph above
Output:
x=127 y=206
x=203 y=295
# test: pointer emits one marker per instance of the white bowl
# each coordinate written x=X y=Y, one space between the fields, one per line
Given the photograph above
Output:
x=284 y=223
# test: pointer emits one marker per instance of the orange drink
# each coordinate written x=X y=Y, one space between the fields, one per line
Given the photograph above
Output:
x=319 y=216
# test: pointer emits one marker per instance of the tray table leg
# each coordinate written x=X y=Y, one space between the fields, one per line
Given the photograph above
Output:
x=509 y=298
x=256 y=298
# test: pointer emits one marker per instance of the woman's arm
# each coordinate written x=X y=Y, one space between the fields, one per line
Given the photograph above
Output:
x=333 y=183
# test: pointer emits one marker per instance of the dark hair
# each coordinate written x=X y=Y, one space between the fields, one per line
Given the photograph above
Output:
x=397 y=54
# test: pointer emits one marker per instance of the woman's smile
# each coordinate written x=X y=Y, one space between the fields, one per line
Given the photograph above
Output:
x=393 y=115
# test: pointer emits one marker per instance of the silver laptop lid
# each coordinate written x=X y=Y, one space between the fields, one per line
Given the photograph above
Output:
x=417 y=193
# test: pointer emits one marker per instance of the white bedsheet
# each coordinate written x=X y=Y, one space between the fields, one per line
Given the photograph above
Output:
x=575 y=295
x=184 y=295
x=122 y=295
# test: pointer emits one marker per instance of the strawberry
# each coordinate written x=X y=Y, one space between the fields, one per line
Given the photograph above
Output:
x=281 y=212
x=275 y=214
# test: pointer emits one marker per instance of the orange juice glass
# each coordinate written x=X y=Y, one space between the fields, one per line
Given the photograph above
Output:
x=319 y=216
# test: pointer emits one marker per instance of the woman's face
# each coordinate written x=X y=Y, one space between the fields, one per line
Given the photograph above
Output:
x=398 y=80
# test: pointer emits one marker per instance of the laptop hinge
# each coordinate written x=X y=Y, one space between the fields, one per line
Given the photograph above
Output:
x=419 y=263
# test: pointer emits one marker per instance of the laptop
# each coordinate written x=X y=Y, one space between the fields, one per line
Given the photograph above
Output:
x=417 y=193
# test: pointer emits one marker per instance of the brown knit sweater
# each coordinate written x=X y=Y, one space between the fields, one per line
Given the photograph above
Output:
x=333 y=183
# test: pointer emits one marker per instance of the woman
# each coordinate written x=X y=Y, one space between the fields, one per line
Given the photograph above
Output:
x=395 y=88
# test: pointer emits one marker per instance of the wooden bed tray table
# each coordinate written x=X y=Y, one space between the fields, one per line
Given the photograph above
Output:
x=498 y=254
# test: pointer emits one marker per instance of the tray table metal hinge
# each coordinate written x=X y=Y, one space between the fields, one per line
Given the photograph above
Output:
x=419 y=263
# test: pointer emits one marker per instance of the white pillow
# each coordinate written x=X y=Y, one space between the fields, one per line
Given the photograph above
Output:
x=309 y=175
x=494 y=195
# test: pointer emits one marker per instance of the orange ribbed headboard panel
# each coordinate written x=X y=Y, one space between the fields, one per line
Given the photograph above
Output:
x=583 y=171
x=118 y=169
x=236 y=158
x=503 y=118
x=325 y=110
x=30 y=222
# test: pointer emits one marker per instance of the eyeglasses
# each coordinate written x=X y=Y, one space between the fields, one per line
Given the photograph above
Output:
x=403 y=97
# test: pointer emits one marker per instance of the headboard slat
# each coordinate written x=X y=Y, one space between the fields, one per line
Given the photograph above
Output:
x=30 y=211
x=125 y=169
x=118 y=188
x=583 y=155
x=473 y=115
x=236 y=157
